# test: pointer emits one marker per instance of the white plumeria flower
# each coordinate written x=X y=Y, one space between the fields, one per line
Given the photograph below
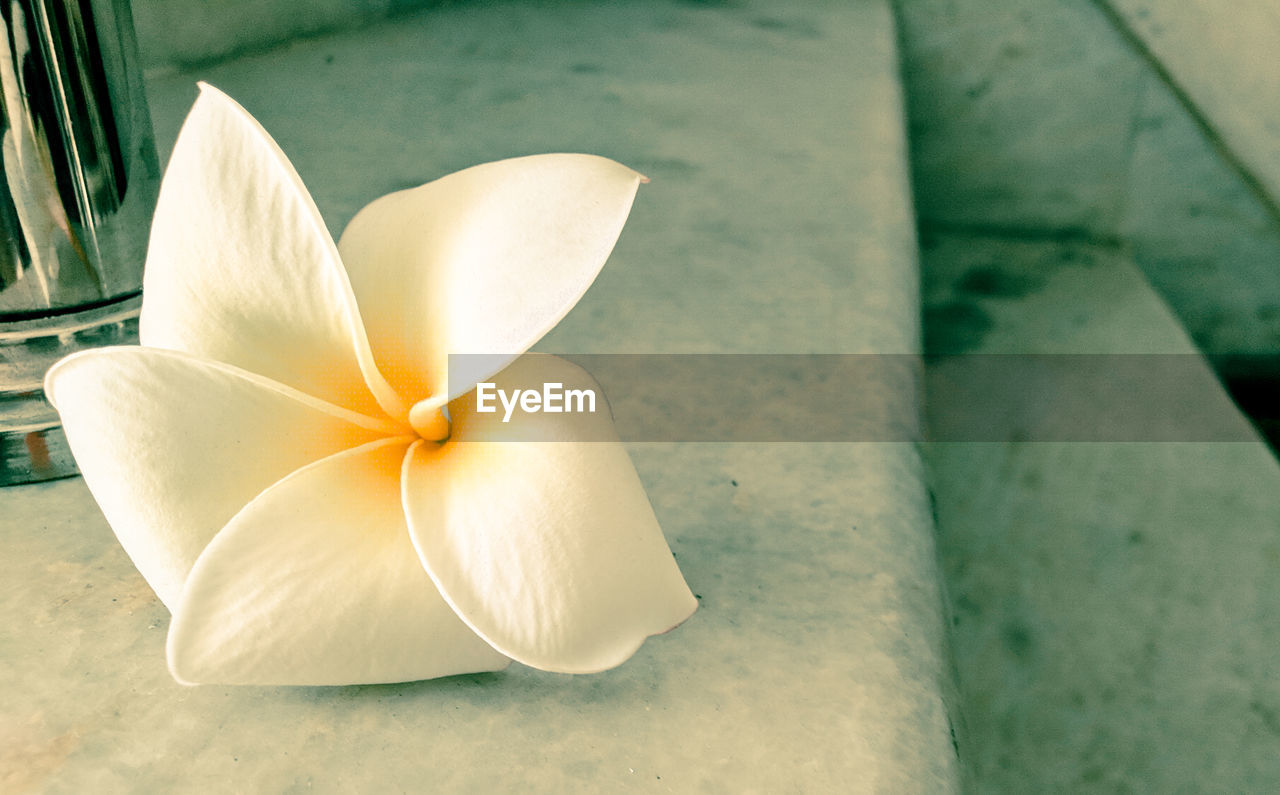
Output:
x=271 y=456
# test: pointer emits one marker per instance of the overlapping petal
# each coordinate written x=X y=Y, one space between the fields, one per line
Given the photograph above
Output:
x=549 y=550
x=173 y=446
x=241 y=269
x=316 y=582
x=486 y=260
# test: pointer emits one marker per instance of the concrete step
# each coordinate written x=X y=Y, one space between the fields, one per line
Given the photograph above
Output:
x=1113 y=600
x=1222 y=64
x=777 y=221
x=1044 y=118
x=1111 y=596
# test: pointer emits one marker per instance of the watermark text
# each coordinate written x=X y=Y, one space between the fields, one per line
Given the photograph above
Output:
x=553 y=398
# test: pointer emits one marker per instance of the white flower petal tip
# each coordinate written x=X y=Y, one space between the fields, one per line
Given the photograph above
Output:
x=241 y=269
x=483 y=261
x=310 y=522
x=549 y=550
x=172 y=446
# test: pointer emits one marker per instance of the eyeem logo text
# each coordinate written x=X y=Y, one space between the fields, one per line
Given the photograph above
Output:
x=553 y=398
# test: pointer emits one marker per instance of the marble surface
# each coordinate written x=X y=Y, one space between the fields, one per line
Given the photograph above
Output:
x=176 y=34
x=1224 y=62
x=778 y=220
x=1036 y=119
x=1114 y=603
x=1020 y=113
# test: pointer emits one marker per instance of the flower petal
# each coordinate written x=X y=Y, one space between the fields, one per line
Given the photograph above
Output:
x=548 y=550
x=241 y=269
x=172 y=446
x=315 y=582
x=485 y=260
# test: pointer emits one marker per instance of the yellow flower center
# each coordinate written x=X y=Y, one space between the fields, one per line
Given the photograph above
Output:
x=429 y=421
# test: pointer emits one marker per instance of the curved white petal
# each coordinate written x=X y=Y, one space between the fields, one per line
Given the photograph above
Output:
x=172 y=446
x=548 y=550
x=315 y=582
x=485 y=260
x=241 y=269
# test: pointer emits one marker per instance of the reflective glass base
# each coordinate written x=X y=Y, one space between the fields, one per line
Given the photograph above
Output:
x=32 y=445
